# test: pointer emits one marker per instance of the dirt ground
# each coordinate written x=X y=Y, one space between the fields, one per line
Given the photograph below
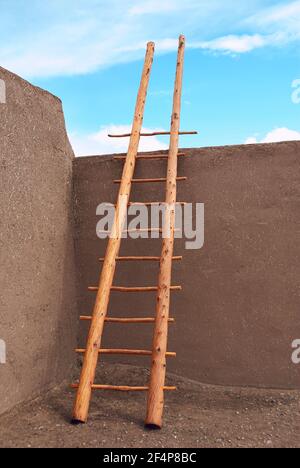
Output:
x=195 y=416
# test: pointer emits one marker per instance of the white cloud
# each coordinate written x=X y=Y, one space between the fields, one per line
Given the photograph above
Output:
x=99 y=143
x=289 y=11
x=155 y=7
x=282 y=20
x=161 y=93
x=251 y=141
x=63 y=37
x=276 y=135
x=234 y=44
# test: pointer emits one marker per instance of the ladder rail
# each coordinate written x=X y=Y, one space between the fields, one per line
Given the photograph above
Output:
x=160 y=340
x=83 y=397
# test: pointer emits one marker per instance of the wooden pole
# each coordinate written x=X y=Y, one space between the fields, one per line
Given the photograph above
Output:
x=126 y=135
x=125 y=320
x=160 y=340
x=134 y=289
x=122 y=388
x=140 y=259
x=147 y=181
x=82 y=402
x=150 y=156
x=153 y=203
x=130 y=352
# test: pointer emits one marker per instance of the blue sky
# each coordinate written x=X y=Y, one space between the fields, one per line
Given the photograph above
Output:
x=242 y=60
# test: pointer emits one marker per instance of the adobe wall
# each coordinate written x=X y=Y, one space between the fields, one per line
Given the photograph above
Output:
x=240 y=307
x=37 y=270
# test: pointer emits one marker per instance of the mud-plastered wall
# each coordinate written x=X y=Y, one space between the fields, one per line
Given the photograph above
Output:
x=239 y=311
x=37 y=285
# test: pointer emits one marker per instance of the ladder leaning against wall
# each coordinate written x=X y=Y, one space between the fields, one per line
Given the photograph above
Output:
x=159 y=352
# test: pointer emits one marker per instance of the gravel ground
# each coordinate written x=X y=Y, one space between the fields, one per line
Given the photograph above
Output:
x=195 y=416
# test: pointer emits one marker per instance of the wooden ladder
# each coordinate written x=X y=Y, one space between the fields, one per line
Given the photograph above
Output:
x=159 y=353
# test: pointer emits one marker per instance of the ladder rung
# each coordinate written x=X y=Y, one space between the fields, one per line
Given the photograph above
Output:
x=119 y=388
x=127 y=231
x=131 y=231
x=131 y=352
x=150 y=156
x=146 y=181
x=125 y=320
x=126 y=135
x=153 y=203
x=138 y=231
x=135 y=289
x=141 y=259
